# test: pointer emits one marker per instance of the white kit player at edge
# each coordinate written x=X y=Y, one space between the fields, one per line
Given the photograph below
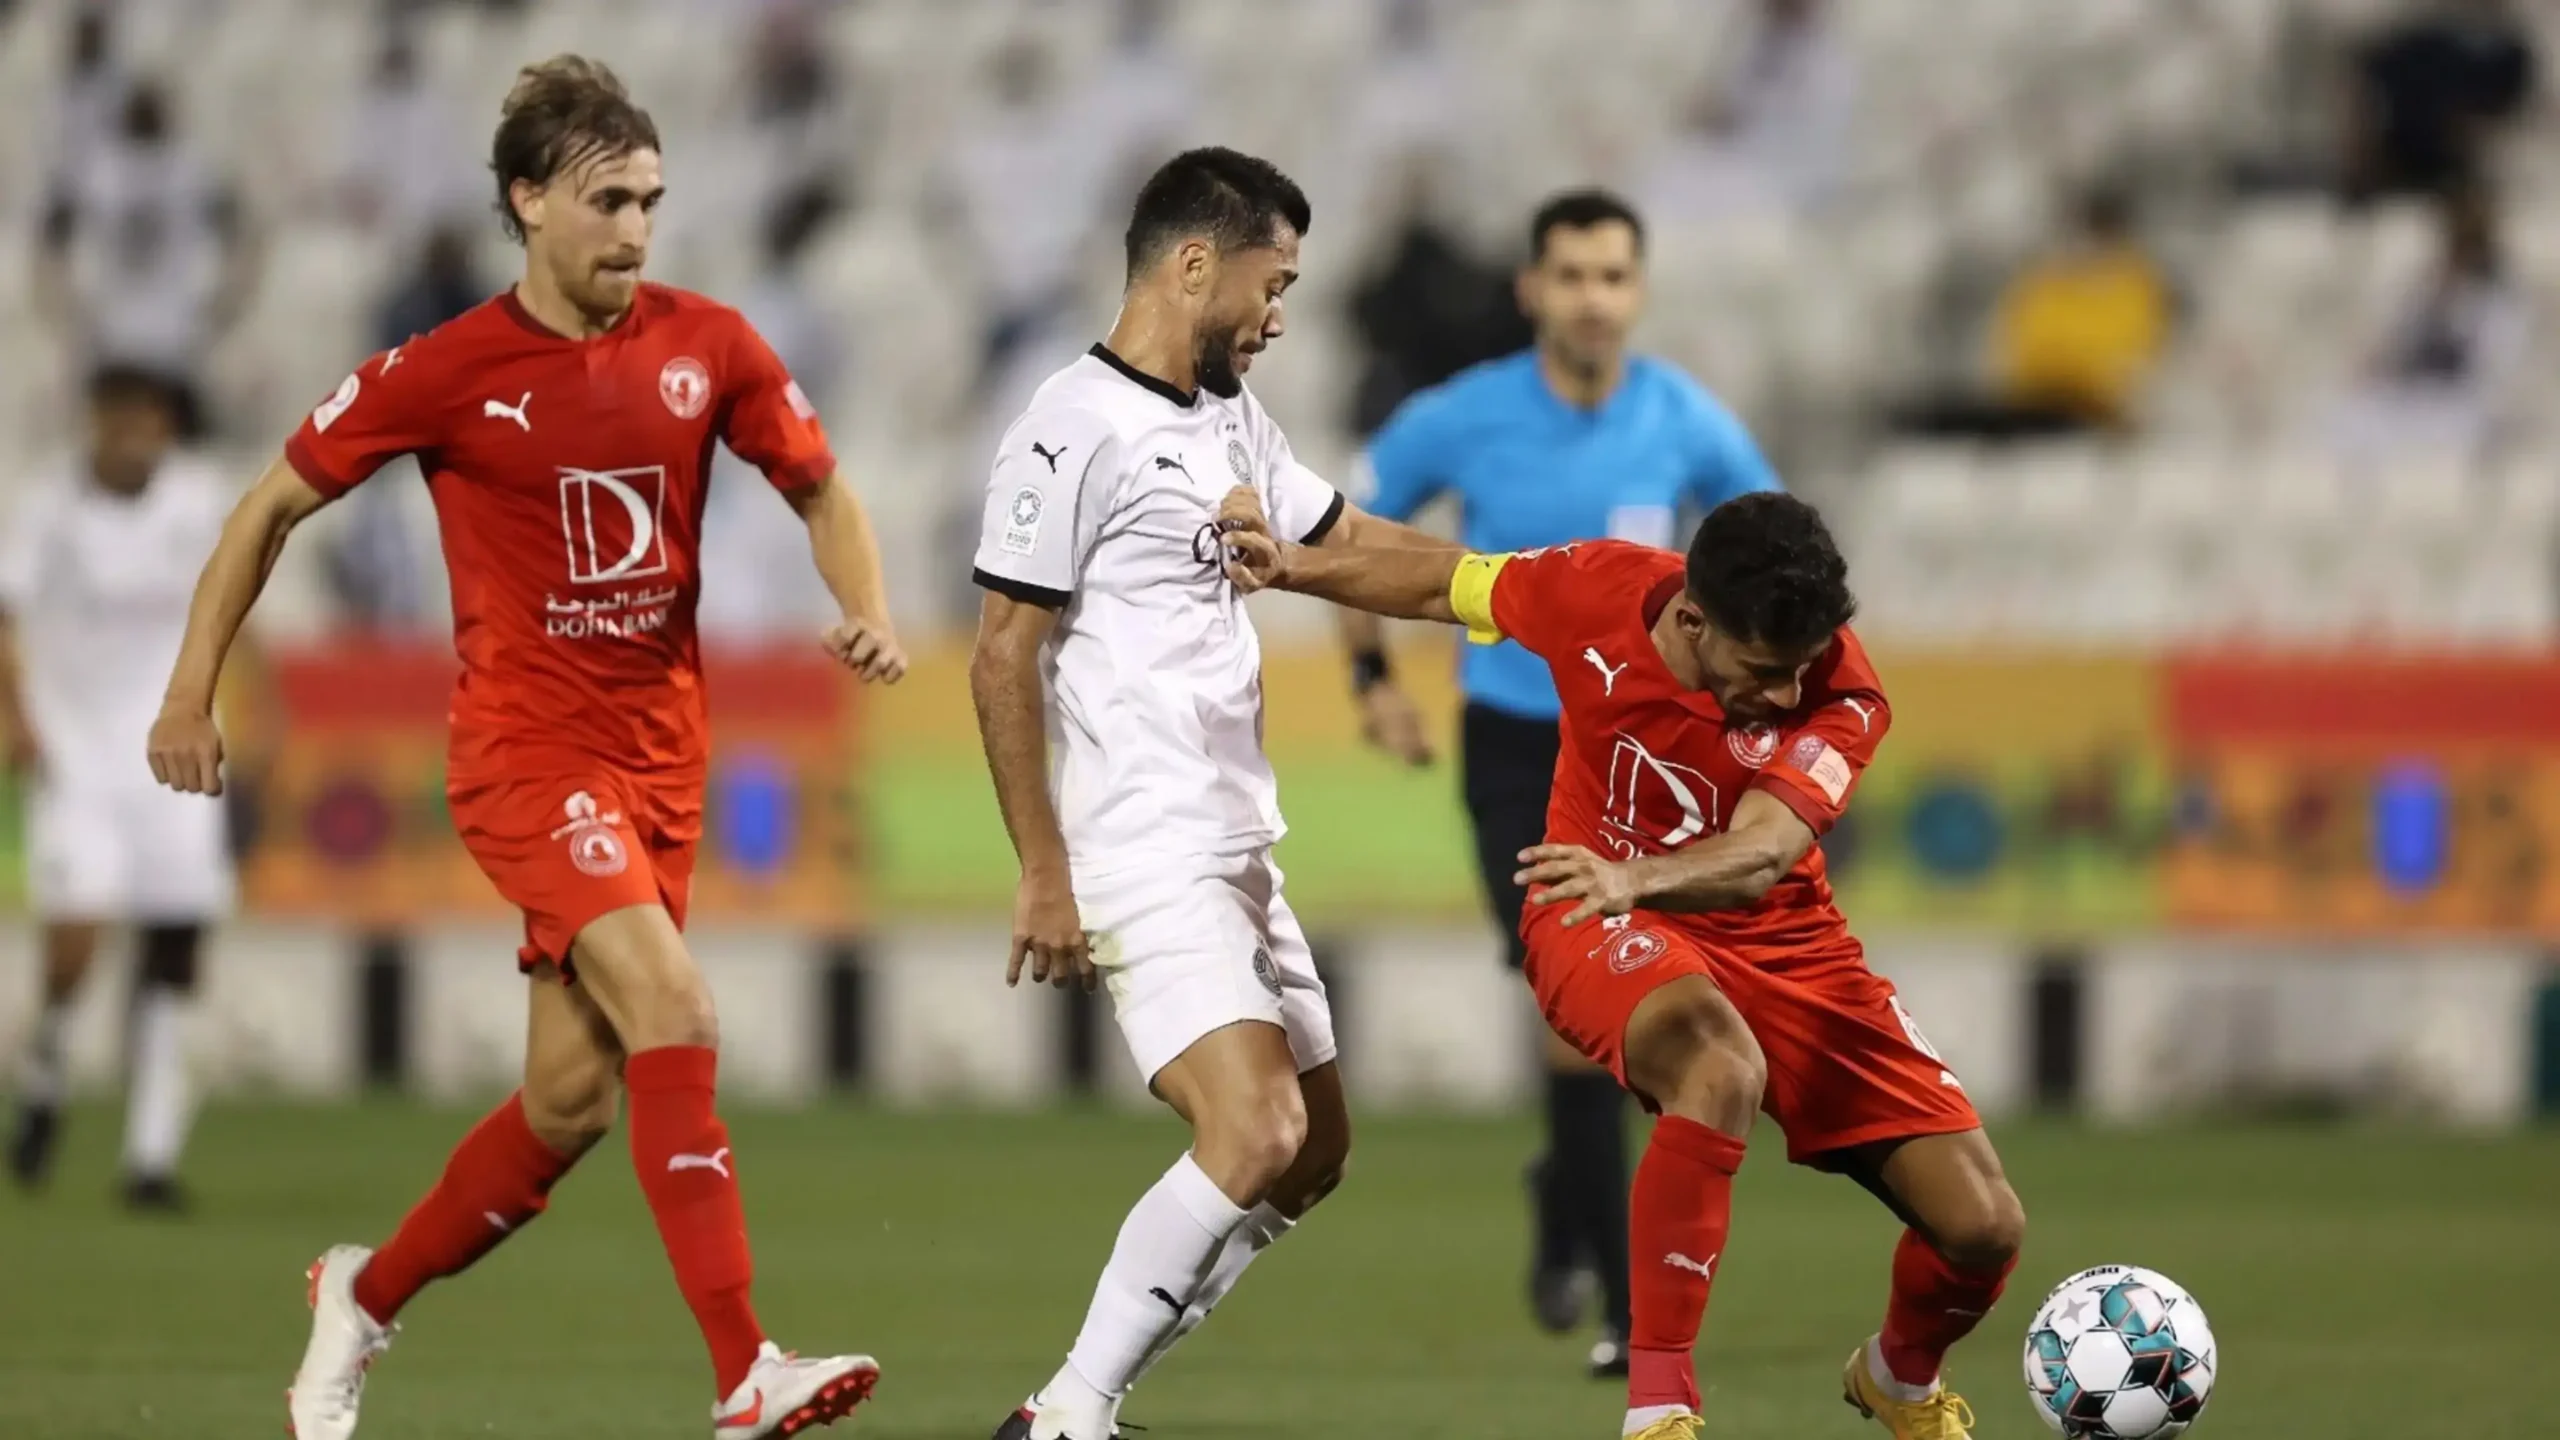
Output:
x=97 y=564
x=1118 y=684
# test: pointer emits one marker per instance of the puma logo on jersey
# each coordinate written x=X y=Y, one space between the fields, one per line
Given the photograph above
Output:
x=501 y=410
x=717 y=1162
x=1052 y=456
x=1865 y=712
x=1608 y=675
x=1167 y=462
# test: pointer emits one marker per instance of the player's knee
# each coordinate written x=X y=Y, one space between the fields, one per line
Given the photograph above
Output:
x=571 y=1108
x=1697 y=1057
x=1988 y=1233
x=678 y=1012
x=1256 y=1141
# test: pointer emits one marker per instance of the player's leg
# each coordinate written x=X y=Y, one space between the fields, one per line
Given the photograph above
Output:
x=634 y=965
x=1238 y=1088
x=70 y=947
x=1859 y=1090
x=1689 y=1052
x=159 y=1099
x=495 y=1182
x=1308 y=1180
x=1964 y=1226
x=178 y=847
x=1578 y=1183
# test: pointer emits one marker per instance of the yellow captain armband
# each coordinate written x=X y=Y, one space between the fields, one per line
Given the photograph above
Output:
x=1471 y=596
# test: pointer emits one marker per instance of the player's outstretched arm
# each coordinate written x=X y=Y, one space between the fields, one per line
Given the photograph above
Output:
x=848 y=559
x=1004 y=683
x=1721 y=872
x=1399 y=582
x=186 y=748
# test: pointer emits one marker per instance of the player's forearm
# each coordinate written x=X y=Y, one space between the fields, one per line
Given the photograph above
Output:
x=1399 y=583
x=1728 y=871
x=847 y=552
x=233 y=578
x=1004 y=683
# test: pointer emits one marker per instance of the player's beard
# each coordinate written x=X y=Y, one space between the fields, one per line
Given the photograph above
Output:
x=1214 y=364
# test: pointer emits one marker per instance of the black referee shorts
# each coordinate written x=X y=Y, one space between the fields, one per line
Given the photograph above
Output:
x=1506 y=764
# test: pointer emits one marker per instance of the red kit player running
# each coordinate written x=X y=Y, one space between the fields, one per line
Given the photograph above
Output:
x=1681 y=929
x=564 y=429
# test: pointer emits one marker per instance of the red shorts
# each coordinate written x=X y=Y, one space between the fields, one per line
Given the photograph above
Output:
x=1846 y=1064
x=570 y=845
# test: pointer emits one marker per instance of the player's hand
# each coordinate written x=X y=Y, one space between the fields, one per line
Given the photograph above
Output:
x=1255 y=561
x=866 y=649
x=1242 y=510
x=186 y=752
x=1390 y=721
x=1049 y=935
x=1557 y=873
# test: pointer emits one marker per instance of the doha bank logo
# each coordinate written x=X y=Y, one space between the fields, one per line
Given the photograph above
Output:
x=612 y=521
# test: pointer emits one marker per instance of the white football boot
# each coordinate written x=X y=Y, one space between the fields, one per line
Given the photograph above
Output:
x=344 y=1343
x=784 y=1394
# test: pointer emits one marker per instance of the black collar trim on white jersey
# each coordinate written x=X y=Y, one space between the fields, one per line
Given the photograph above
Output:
x=1184 y=398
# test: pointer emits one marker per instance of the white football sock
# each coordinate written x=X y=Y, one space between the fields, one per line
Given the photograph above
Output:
x=1260 y=1230
x=1906 y=1393
x=40 y=1079
x=1167 y=1246
x=158 y=1103
x=1637 y=1420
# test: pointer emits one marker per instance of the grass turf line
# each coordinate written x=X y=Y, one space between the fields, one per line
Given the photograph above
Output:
x=2364 y=1283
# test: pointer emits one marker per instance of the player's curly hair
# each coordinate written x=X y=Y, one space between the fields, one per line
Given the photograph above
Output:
x=1765 y=570
x=567 y=111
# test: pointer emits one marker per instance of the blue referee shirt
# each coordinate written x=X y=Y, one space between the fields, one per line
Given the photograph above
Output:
x=1529 y=469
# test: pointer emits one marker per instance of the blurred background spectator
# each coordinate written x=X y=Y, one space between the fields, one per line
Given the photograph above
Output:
x=146 y=257
x=1432 y=306
x=2433 y=94
x=1772 y=130
x=2442 y=379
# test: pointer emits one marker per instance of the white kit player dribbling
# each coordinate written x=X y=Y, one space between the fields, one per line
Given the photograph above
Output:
x=97 y=563
x=1119 y=693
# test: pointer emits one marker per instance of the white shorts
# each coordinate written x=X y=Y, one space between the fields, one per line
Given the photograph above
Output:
x=127 y=853
x=1188 y=947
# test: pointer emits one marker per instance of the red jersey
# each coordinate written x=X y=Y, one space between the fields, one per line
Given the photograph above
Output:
x=1649 y=766
x=568 y=478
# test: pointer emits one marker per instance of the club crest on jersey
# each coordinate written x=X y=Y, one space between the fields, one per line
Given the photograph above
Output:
x=685 y=386
x=1239 y=462
x=595 y=847
x=1264 y=970
x=1755 y=744
x=1635 y=949
x=337 y=403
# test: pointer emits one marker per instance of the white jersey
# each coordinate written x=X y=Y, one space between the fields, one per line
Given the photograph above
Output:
x=1101 y=505
x=97 y=585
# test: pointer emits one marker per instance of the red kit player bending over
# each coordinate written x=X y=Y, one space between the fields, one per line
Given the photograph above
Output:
x=1681 y=931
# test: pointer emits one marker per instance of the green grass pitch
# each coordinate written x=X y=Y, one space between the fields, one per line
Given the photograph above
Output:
x=2364 y=1283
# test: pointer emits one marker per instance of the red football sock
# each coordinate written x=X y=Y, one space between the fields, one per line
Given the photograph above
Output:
x=1678 y=1215
x=681 y=1150
x=500 y=1176
x=1934 y=1305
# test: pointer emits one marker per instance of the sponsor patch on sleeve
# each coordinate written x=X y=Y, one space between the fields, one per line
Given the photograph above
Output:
x=1022 y=521
x=336 y=405
x=1821 y=764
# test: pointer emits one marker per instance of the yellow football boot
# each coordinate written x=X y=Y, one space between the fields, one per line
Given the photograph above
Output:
x=1673 y=1427
x=1943 y=1416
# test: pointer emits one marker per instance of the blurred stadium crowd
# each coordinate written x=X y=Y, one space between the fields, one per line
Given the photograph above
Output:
x=2114 y=320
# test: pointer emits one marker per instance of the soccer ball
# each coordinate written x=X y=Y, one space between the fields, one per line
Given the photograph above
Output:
x=2120 y=1353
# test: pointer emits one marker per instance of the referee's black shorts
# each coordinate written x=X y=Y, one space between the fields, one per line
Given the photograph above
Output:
x=1506 y=764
